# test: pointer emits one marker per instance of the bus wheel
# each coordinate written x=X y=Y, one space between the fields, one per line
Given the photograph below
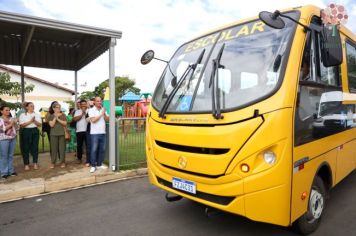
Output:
x=310 y=221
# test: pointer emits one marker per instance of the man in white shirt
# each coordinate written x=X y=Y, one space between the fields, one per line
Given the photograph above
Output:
x=81 y=131
x=97 y=118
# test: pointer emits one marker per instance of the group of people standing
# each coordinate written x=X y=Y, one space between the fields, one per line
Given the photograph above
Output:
x=90 y=126
x=91 y=130
x=28 y=123
x=89 y=120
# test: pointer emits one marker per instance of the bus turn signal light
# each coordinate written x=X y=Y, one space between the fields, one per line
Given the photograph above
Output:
x=245 y=168
x=304 y=195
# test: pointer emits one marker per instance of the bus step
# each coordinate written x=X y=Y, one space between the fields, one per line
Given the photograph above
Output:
x=173 y=198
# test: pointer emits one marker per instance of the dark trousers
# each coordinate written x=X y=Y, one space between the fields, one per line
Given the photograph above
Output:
x=98 y=142
x=81 y=138
x=20 y=140
x=29 y=143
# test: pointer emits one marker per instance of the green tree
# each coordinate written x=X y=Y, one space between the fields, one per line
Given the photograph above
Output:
x=122 y=85
x=12 y=89
x=87 y=95
x=70 y=103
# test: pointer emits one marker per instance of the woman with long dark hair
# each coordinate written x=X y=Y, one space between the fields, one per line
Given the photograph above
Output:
x=7 y=142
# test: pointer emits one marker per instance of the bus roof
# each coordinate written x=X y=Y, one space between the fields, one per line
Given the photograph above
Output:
x=306 y=13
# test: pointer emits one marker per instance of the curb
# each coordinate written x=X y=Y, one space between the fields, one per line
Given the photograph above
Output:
x=40 y=187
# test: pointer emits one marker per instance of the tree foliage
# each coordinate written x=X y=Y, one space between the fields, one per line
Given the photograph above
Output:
x=122 y=85
x=12 y=89
x=70 y=103
x=87 y=95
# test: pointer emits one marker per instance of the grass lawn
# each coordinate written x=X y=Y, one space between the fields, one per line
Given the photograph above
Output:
x=132 y=150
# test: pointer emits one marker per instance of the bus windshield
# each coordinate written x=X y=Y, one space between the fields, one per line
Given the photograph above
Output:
x=250 y=68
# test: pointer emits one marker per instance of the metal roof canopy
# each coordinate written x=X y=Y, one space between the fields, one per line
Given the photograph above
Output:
x=38 y=42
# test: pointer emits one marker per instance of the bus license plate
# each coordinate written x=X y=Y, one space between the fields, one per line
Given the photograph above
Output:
x=185 y=185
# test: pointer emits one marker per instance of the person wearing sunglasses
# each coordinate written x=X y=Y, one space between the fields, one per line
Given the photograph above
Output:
x=58 y=122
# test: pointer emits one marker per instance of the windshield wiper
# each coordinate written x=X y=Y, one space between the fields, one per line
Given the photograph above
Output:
x=214 y=82
x=181 y=79
x=200 y=58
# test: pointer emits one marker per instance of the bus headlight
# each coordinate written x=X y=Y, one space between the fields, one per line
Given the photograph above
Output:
x=269 y=157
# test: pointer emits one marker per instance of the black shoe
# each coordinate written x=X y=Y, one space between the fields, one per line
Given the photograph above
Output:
x=4 y=176
x=13 y=174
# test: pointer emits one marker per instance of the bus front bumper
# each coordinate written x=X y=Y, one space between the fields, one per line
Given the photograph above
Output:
x=227 y=196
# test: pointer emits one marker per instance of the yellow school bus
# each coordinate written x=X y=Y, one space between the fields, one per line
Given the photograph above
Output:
x=257 y=118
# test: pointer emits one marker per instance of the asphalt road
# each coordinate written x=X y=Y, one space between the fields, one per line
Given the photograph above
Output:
x=134 y=207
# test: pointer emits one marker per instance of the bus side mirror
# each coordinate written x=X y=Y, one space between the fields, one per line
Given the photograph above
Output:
x=147 y=57
x=331 y=49
x=272 y=19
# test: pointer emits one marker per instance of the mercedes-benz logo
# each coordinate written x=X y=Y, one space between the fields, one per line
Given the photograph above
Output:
x=182 y=162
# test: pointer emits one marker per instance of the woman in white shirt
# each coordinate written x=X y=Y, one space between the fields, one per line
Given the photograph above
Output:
x=29 y=122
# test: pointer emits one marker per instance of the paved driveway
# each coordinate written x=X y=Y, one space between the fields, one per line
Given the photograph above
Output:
x=133 y=207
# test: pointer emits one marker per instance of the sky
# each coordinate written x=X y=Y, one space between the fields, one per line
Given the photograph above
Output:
x=160 y=25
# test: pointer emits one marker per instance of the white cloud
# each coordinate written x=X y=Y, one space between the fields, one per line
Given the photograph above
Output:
x=156 y=24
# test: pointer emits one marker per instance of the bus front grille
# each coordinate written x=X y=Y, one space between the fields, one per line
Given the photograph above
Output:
x=200 y=150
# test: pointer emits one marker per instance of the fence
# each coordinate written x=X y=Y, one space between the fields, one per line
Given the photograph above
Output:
x=131 y=143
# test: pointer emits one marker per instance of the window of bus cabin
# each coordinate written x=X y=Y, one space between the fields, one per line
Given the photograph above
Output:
x=319 y=109
x=351 y=65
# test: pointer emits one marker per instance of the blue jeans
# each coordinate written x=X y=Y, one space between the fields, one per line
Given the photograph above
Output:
x=88 y=146
x=98 y=142
x=7 y=148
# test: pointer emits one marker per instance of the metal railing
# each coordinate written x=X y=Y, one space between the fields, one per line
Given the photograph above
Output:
x=130 y=139
x=131 y=143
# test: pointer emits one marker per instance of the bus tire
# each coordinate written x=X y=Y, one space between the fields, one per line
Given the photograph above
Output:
x=310 y=221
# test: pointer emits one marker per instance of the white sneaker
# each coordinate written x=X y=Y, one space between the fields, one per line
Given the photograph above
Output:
x=103 y=167
x=92 y=169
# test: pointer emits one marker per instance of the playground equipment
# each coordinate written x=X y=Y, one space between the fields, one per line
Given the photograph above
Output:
x=106 y=104
x=135 y=106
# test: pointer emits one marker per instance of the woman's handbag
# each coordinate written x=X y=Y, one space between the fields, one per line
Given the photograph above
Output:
x=66 y=134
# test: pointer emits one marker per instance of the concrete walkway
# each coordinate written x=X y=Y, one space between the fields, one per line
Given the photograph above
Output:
x=46 y=180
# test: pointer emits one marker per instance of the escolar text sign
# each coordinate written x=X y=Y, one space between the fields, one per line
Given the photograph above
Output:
x=228 y=34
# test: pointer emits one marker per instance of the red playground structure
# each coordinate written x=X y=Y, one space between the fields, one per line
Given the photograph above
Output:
x=135 y=107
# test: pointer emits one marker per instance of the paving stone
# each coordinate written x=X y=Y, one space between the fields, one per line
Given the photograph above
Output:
x=68 y=181
x=21 y=189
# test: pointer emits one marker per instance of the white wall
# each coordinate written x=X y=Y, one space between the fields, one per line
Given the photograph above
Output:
x=42 y=94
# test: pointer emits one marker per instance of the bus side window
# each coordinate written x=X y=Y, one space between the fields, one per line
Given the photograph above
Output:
x=327 y=75
x=351 y=66
x=307 y=69
x=319 y=108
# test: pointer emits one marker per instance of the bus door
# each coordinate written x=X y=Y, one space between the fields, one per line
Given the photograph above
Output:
x=346 y=159
x=318 y=118
x=322 y=121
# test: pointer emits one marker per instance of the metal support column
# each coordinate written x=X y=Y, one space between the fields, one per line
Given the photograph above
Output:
x=27 y=37
x=75 y=89
x=112 y=144
x=22 y=84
